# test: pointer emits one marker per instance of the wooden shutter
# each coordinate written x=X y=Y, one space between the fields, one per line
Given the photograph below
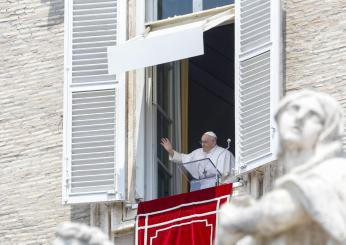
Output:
x=93 y=166
x=257 y=80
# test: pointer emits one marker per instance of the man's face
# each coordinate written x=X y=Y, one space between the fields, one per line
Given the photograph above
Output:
x=301 y=123
x=207 y=142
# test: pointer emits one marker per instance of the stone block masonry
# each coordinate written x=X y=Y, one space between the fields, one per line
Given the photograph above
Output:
x=31 y=109
x=315 y=44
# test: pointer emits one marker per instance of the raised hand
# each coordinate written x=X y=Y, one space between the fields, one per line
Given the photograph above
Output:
x=166 y=143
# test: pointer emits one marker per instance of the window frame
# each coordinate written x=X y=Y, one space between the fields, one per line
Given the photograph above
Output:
x=151 y=168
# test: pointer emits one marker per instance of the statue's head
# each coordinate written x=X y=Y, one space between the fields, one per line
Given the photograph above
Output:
x=308 y=120
x=79 y=234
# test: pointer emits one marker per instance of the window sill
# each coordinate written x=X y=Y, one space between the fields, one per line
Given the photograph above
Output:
x=124 y=228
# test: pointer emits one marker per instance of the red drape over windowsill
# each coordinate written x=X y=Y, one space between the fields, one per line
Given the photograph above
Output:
x=183 y=219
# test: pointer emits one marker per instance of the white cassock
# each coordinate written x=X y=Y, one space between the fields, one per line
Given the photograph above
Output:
x=220 y=157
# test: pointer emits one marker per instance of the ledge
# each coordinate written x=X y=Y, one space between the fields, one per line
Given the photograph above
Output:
x=124 y=228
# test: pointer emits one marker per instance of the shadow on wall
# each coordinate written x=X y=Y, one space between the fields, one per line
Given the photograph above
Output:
x=56 y=12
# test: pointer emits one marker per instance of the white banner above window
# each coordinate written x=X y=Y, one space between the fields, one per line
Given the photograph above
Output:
x=165 y=44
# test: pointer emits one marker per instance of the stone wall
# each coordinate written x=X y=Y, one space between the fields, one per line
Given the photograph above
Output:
x=316 y=46
x=31 y=100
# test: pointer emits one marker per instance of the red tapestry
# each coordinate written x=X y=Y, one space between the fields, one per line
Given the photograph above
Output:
x=183 y=219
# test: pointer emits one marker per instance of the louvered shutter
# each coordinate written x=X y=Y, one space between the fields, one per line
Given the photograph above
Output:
x=257 y=80
x=93 y=166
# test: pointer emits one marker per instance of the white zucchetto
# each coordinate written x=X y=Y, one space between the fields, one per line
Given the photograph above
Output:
x=212 y=134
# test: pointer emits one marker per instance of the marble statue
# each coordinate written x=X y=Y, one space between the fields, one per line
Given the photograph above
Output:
x=79 y=234
x=308 y=203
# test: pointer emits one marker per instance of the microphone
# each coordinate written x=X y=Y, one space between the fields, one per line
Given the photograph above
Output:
x=228 y=143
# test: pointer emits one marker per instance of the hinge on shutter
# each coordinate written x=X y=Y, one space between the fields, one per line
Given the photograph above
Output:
x=67 y=182
x=67 y=179
x=273 y=131
x=241 y=165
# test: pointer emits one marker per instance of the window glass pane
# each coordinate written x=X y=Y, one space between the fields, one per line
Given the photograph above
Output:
x=169 y=8
x=208 y=4
x=162 y=132
x=164 y=78
x=163 y=183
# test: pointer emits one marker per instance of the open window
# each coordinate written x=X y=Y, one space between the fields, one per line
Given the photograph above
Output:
x=185 y=95
x=229 y=74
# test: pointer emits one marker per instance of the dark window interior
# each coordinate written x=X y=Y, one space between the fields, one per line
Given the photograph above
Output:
x=211 y=88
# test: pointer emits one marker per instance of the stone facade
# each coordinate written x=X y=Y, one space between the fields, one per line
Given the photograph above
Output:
x=315 y=47
x=31 y=77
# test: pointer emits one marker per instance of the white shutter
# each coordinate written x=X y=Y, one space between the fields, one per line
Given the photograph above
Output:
x=257 y=80
x=93 y=165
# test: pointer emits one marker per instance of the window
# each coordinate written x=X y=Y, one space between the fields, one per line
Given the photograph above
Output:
x=211 y=88
x=208 y=83
x=170 y=8
x=166 y=108
x=256 y=61
x=94 y=106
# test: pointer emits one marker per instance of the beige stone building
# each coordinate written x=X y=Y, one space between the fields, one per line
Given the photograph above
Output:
x=87 y=150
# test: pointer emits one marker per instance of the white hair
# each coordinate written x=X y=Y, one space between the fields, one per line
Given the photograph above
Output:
x=211 y=134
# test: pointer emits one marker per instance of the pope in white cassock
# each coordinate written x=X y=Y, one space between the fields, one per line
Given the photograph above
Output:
x=220 y=157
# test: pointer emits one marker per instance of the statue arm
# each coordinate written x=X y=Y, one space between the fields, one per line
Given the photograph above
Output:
x=279 y=211
x=274 y=213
